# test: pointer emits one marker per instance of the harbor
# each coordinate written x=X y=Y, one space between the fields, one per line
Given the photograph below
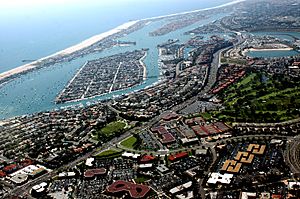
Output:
x=25 y=95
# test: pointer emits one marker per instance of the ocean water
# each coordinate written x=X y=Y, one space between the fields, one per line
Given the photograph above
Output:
x=280 y=53
x=35 y=31
x=270 y=54
x=33 y=38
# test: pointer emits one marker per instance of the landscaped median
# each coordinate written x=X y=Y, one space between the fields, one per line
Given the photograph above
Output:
x=110 y=153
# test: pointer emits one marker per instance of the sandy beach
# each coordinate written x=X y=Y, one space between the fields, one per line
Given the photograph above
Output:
x=72 y=49
x=97 y=38
x=270 y=49
x=245 y=51
x=200 y=10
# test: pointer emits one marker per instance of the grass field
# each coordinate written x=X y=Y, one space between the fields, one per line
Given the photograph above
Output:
x=261 y=97
x=111 y=153
x=141 y=179
x=112 y=129
x=129 y=142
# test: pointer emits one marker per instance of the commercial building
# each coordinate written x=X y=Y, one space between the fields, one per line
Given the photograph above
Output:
x=135 y=190
x=91 y=173
x=216 y=178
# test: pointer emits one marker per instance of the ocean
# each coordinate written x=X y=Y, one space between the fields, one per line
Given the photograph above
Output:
x=33 y=32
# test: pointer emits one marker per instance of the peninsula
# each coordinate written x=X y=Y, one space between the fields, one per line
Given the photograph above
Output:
x=217 y=124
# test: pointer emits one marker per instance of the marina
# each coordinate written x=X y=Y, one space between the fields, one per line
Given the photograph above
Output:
x=101 y=76
x=272 y=53
x=25 y=95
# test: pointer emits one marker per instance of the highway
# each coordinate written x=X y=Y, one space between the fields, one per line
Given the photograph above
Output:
x=115 y=142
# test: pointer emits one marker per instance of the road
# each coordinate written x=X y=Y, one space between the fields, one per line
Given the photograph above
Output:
x=24 y=189
x=211 y=79
x=292 y=155
x=18 y=191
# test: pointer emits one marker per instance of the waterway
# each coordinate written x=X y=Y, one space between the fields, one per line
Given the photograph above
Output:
x=33 y=29
x=36 y=91
x=290 y=36
x=270 y=54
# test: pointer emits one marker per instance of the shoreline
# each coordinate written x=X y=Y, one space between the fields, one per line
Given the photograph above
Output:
x=77 y=47
x=144 y=66
x=94 y=39
x=194 y=11
x=268 y=49
x=69 y=83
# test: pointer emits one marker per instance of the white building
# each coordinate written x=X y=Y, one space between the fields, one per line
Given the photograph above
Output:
x=220 y=178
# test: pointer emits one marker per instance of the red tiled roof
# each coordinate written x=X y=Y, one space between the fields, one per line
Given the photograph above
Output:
x=210 y=129
x=147 y=158
x=167 y=137
x=198 y=130
x=78 y=150
x=170 y=116
x=161 y=130
x=93 y=172
x=26 y=162
x=2 y=174
x=296 y=64
x=10 y=168
x=135 y=190
x=228 y=82
x=178 y=156
x=221 y=126
x=276 y=196
x=192 y=121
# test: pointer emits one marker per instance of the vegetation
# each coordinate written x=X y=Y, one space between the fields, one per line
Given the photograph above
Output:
x=112 y=129
x=111 y=153
x=129 y=142
x=205 y=116
x=141 y=179
x=260 y=97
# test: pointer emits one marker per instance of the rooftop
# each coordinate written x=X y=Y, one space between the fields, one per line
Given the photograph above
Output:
x=135 y=190
x=217 y=177
x=94 y=172
x=178 y=156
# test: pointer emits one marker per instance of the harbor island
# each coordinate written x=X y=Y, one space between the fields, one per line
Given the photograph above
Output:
x=165 y=107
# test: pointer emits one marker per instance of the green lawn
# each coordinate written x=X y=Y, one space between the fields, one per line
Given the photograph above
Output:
x=113 y=127
x=141 y=179
x=129 y=142
x=206 y=116
x=260 y=97
x=111 y=153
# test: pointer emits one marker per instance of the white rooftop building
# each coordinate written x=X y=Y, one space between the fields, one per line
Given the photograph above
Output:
x=145 y=166
x=190 y=195
x=89 y=162
x=246 y=195
x=66 y=174
x=220 y=178
x=130 y=155
x=181 y=187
